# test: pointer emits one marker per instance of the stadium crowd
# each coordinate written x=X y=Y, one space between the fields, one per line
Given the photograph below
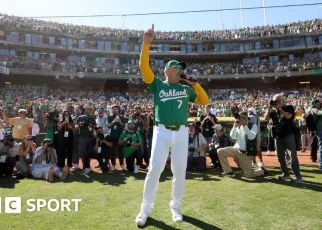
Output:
x=62 y=115
x=106 y=32
x=265 y=66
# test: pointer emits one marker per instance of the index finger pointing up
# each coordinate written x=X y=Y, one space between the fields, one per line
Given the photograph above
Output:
x=153 y=27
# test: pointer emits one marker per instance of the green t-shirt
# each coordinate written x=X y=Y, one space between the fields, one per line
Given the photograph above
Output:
x=171 y=101
x=8 y=105
x=136 y=138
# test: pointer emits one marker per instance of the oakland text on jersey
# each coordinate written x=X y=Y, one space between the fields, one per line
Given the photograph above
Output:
x=172 y=94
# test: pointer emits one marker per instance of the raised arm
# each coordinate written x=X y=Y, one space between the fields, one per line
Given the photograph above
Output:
x=145 y=69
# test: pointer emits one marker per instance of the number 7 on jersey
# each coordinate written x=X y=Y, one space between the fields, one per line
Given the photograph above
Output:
x=180 y=103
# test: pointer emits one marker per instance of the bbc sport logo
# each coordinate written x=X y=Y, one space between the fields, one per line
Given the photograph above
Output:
x=14 y=205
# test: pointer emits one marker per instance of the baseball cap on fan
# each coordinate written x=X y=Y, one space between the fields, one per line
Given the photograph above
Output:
x=253 y=110
x=175 y=63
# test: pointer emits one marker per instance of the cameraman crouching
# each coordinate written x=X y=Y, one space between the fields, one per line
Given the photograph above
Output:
x=244 y=149
x=102 y=148
x=197 y=147
x=44 y=163
x=219 y=140
x=283 y=132
x=131 y=141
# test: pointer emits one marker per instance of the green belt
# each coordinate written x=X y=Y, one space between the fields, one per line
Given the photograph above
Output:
x=170 y=127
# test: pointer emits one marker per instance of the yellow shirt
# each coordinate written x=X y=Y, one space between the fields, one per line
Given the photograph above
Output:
x=20 y=127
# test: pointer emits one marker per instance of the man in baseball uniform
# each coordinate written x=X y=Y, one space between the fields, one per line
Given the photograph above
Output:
x=170 y=131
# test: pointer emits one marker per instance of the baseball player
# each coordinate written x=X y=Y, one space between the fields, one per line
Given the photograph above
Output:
x=170 y=131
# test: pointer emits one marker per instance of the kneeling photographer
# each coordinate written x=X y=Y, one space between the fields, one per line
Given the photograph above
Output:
x=219 y=140
x=131 y=141
x=282 y=116
x=244 y=150
x=197 y=147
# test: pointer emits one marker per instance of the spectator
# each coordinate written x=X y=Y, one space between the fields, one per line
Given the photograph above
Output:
x=283 y=128
x=44 y=163
x=197 y=147
x=131 y=141
x=219 y=140
x=65 y=140
x=317 y=113
x=27 y=150
x=8 y=155
x=305 y=137
x=116 y=124
x=22 y=126
x=101 y=121
x=35 y=132
x=86 y=125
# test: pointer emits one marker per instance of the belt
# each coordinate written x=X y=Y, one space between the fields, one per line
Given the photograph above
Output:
x=170 y=127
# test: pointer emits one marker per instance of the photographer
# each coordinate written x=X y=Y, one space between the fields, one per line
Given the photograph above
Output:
x=44 y=163
x=141 y=126
x=8 y=154
x=27 y=149
x=51 y=126
x=219 y=140
x=116 y=124
x=102 y=147
x=197 y=147
x=65 y=140
x=85 y=125
x=283 y=132
x=131 y=141
x=244 y=149
x=207 y=122
x=253 y=118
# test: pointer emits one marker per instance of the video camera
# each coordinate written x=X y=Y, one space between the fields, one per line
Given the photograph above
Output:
x=129 y=141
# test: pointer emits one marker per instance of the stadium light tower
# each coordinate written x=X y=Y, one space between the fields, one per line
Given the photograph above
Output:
x=241 y=14
x=220 y=19
x=265 y=18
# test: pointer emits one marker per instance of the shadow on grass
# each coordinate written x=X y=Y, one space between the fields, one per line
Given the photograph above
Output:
x=199 y=224
x=158 y=224
x=8 y=182
x=273 y=179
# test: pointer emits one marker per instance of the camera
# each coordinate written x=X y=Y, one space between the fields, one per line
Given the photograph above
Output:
x=137 y=114
x=129 y=141
x=273 y=103
x=100 y=136
x=191 y=149
x=50 y=145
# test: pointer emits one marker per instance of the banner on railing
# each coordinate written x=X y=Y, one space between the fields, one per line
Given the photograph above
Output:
x=4 y=70
x=317 y=72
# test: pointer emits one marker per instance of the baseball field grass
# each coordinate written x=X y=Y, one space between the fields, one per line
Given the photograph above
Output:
x=112 y=200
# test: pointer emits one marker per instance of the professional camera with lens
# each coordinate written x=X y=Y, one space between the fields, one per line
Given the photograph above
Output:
x=273 y=103
x=100 y=136
x=129 y=141
x=191 y=148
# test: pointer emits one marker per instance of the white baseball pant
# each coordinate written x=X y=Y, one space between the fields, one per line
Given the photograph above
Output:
x=164 y=139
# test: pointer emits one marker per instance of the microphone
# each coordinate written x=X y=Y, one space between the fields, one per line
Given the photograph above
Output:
x=184 y=76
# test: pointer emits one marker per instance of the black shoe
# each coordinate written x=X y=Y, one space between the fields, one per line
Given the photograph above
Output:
x=20 y=175
x=284 y=177
x=230 y=174
x=266 y=172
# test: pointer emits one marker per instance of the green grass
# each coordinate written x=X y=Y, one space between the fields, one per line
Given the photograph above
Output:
x=112 y=200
